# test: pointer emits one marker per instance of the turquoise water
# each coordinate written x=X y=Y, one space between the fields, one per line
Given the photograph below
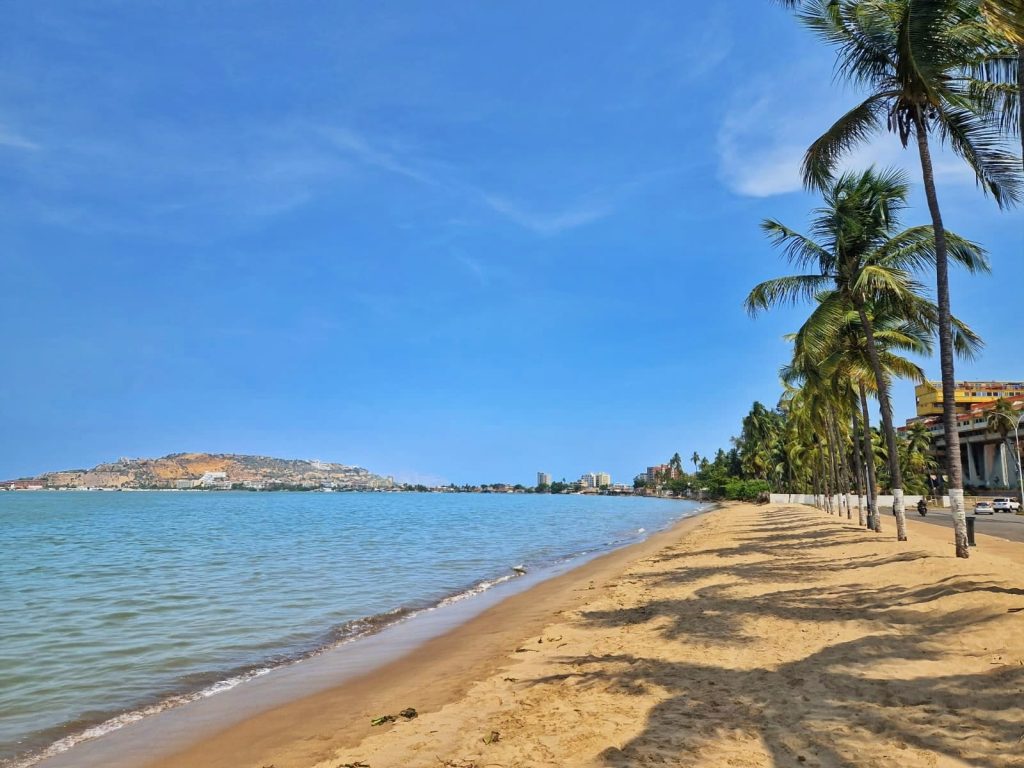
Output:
x=114 y=605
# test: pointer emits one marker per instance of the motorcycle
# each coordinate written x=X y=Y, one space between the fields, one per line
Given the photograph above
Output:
x=922 y=508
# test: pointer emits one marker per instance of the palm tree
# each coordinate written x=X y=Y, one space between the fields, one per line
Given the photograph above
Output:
x=1006 y=20
x=916 y=457
x=1001 y=420
x=838 y=360
x=758 y=443
x=911 y=55
x=1006 y=16
x=675 y=464
x=696 y=461
x=863 y=261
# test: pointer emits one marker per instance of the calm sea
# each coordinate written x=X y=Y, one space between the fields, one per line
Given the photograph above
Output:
x=115 y=605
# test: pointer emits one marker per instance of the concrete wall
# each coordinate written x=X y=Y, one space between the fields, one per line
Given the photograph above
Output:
x=884 y=501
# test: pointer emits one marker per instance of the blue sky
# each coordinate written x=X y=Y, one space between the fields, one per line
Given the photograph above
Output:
x=446 y=241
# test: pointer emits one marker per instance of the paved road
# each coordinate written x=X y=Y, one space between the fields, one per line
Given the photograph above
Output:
x=1001 y=524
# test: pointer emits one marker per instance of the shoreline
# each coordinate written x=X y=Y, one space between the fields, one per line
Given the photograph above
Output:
x=753 y=636
x=756 y=636
x=157 y=737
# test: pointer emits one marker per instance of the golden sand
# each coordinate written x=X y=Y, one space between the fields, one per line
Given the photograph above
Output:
x=756 y=636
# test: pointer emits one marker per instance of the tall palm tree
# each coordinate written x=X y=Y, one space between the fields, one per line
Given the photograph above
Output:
x=1005 y=19
x=696 y=461
x=1006 y=16
x=675 y=464
x=1005 y=68
x=919 y=437
x=758 y=443
x=911 y=55
x=916 y=457
x=838 y=360
x=862 y=260
x=824 y=393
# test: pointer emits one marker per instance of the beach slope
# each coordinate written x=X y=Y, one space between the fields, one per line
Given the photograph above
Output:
x=757 y=636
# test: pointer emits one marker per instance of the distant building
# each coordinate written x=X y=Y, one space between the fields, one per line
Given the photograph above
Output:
x=543 y=478
x=23 y=485
x=211 y=478
x=656 y=473
x=595 y=479
x=968 y=395
x=987 y=459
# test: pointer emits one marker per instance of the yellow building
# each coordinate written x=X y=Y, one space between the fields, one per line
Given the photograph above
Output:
x=968 y=393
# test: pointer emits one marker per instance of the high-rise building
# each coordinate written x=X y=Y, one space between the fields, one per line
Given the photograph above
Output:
x=968 y=394
x=661 y=472
x=543 y=478
x=595 y=479
x=988 y=448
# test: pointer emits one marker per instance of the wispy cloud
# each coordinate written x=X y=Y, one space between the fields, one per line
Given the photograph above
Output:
x=595 y=204
x=475 y=268
x=13 y=140
x=761 y=141
x=548 y=222
x=234 y=174
x=358 y=146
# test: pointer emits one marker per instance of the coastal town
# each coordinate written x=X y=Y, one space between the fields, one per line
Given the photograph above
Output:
x=988 y=418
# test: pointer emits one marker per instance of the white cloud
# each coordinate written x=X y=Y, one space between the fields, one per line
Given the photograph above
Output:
x=229 y=174
x=475 y=268
x=548 y=222
x=762 y=140
x=358 y=146
x=15 y=141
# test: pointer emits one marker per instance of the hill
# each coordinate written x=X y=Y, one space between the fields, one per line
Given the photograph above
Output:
x=215 y=471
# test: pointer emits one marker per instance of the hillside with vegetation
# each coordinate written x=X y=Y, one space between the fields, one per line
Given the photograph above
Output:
x=179 y=469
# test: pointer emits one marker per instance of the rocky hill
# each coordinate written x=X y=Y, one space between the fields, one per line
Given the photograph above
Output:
x=215 y=470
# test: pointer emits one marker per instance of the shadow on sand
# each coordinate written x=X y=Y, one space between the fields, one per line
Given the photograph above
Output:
x=815 y=710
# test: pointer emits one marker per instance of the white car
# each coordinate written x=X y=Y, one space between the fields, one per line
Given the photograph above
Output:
x=1005 y=504
x=983 y=508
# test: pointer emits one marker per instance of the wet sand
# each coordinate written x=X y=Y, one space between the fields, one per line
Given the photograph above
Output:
x=311 y=729
x=752 y=636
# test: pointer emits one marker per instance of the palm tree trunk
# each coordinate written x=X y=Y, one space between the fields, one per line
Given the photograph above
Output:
x=827 y=481
x=896 y=476
x=1020 y=97
x=843 y=479
x=858 y=467
x=845 y=466
x=814 y=481
x=833 y=472
x=874 y=519
x=956 y=480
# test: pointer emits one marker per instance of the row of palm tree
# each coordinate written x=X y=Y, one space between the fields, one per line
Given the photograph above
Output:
x=935 y=71
x=868 y=309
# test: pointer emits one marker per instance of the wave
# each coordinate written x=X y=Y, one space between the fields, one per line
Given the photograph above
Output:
x=105 y=723
x=58 y=740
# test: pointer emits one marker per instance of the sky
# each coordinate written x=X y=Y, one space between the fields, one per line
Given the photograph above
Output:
x=449 y=242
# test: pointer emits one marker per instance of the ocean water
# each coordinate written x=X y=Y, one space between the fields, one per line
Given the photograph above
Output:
x=116 y=605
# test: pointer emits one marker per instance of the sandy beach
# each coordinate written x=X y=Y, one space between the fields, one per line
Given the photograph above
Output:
x=752 y=636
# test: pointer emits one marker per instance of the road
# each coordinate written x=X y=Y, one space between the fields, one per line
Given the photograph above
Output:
x=1001 y=524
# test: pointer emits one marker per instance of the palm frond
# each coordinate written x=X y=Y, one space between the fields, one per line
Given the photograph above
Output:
x=848 y=131
x=784 y=290
x=997 y=170
x=798 y=249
